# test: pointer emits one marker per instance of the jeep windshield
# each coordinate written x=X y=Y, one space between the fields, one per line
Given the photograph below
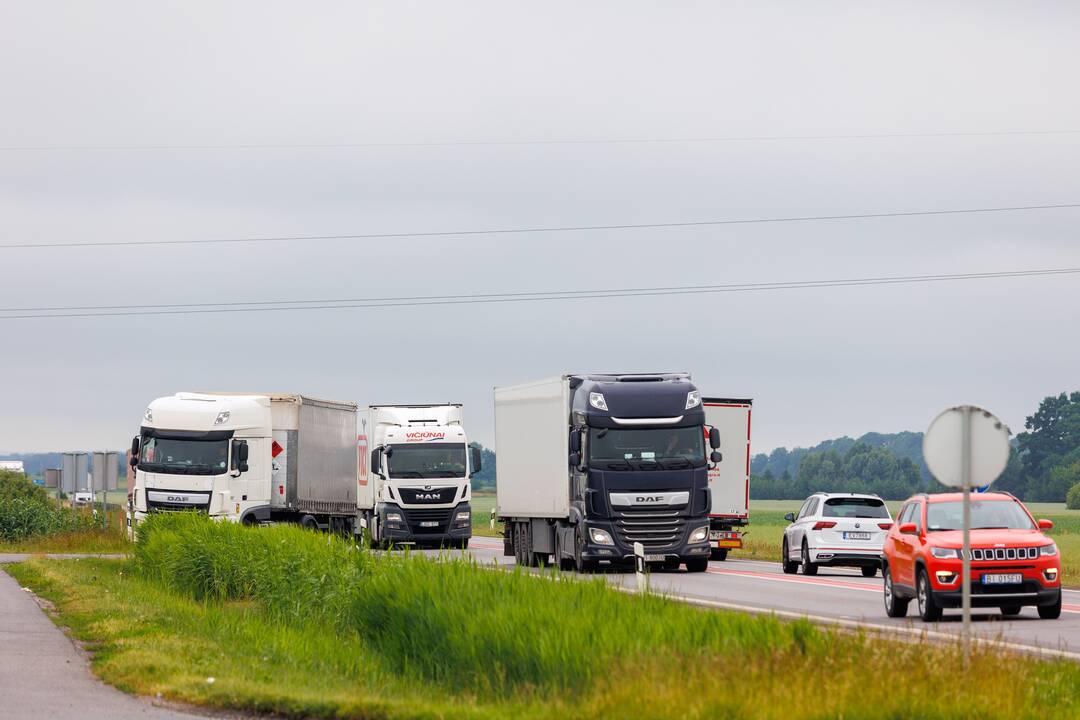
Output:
x=427 y=460
x=184 y=457
x=985 y=515
x=647 y=449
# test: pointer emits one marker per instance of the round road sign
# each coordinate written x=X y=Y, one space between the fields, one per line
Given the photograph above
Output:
x=966 y=431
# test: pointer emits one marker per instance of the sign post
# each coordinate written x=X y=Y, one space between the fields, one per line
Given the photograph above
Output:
x=968 y=448
x=639 y=568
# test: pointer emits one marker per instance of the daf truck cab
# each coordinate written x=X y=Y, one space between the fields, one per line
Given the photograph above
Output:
x=590 y=465
x=415 y=490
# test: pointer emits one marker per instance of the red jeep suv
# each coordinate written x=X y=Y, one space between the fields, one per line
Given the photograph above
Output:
x=1012 y=563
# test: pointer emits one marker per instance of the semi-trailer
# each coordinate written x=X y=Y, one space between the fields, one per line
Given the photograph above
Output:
x=590 y=465
x=415 y=486
x=729 y=480
x=249 y=458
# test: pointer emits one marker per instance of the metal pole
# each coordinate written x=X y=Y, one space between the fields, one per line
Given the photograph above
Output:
x=965 y=476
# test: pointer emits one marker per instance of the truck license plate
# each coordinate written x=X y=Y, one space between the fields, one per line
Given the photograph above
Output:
x=714 y=535
x=655 y=558
x=856 y=536
x=1003 y=579
x=429 y=523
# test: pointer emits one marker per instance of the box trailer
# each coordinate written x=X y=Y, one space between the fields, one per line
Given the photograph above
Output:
x=729 y=480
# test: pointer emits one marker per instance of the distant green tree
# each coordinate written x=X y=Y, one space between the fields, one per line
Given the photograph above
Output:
x=1072 y=499
x=485 y=479
x=1052 y=441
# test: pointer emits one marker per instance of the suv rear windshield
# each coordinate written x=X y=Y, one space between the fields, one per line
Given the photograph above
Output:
x=854 y=507
x=985 y=515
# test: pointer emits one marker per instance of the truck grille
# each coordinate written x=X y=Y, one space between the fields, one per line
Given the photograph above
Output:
x=654 y=528
x=1017 y=553
x=417 y=520
x=434 y=496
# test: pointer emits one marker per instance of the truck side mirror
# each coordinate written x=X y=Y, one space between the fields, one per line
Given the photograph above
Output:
x=714 y=439
x=574 y=459
x=477 y=462
x=243 y=451
x=790 y=517
x=575 y=441
x=716 y=457
x=134 y=459
x=376 y=462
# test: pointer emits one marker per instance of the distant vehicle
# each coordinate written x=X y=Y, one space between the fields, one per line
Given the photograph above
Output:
x=82 y=498
x=1013 y=564
x=589 y=465
x=836 y=530
x=13 y=465
x=249 y=458
x=415 y=490
x=729 y=481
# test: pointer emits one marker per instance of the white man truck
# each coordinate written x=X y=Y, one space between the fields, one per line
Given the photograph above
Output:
x=415 y=489
x=249 y=458
x=729 y=480
x=590 y=465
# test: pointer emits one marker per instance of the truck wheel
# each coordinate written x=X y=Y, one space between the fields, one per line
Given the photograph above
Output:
x=790 y=567
x=519 y=556
x=672 y=564
x=1051 y=612
x=696 y=565
x=719 y=554
x=463 y=544
x=895 y=607
x=929 y=610
x=308 y=522
x=582 y=565
x=808 y=568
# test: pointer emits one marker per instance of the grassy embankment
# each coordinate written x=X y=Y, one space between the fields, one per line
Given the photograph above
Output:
x=299 y=623
x=766 y=531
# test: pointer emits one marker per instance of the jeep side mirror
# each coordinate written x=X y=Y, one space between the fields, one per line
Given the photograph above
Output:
x=477 y=463
x=716 y=457
x=790 y=517
x=1045 y=524
x=134 y=459
x=909 y=528
x=714 y=439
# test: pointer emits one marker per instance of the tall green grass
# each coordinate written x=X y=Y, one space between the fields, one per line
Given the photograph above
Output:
x=27 y=511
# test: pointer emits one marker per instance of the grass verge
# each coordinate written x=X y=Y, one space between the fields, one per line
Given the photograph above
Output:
x=303 y=624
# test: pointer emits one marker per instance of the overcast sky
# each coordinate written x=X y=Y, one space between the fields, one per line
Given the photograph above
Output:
x=818 y=363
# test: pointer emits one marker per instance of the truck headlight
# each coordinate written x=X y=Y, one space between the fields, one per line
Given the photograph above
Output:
x=693 y=399
x=393 y=517
x=944 y=553
x=600 y=537
x=701 y=534
x=463 y=515
x=597 y=400
x=1048 y=550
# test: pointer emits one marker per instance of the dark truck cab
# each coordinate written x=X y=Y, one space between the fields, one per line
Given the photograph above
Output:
x=637 y=470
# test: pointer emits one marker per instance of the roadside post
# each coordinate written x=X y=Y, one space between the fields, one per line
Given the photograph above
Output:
x=639 y=568
x=968 y=448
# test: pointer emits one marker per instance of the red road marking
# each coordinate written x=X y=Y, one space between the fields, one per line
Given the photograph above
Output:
x=840 y=584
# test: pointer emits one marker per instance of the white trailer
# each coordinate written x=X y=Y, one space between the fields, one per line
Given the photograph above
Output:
x=729 y=481
x=414 y=478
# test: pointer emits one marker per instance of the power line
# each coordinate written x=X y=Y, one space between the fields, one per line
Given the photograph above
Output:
x=498 y=143
x=489 y=298
x=549 y=229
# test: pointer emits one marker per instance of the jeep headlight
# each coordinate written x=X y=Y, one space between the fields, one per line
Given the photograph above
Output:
x=944 y=553
x=393 y=517
x=700 y=534
x=1048 y=550
x=600 y=536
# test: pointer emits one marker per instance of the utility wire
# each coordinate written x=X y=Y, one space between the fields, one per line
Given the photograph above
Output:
x=549 y=229
x=489 y=298
x=497 y=143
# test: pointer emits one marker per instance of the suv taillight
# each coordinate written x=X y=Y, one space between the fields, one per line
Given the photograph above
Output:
x=823 y=524
x=884 y=526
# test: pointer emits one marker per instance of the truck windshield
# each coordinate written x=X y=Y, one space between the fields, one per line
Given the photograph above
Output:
x=626 y=449
x=985 y=515
x=187 y=457
x=440 y=460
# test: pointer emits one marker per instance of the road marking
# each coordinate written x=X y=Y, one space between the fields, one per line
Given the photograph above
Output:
x=839 y=584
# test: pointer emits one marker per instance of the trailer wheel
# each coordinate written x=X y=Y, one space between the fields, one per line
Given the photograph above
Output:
x=308 y=522
x=719 y=554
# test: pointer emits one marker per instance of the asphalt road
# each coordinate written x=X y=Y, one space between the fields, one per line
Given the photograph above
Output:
x=43 y=675
x=835 y=596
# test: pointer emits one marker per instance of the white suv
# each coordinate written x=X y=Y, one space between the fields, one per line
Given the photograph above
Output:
x=836 y=529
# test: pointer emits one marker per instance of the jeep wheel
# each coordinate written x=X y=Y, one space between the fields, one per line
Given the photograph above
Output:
x=790 y=566
x=929 y=610
x=1051 y=612
x=808 y=568
x=895 y=607
x=869 y=571
x=1010 y=610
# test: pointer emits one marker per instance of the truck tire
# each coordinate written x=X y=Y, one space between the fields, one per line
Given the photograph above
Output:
x=697 y=565
x=519 y=557
x=308 y=522
x=532 y=558
x=719 y=554
x=582 y=565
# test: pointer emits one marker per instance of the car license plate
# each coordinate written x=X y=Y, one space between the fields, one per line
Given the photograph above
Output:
x=655 y=558
x=1003 y=579
x=856 y=536
x=429 y=523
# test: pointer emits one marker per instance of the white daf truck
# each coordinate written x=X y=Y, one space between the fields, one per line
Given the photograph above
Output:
x=249 y=458
x=415 y=488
